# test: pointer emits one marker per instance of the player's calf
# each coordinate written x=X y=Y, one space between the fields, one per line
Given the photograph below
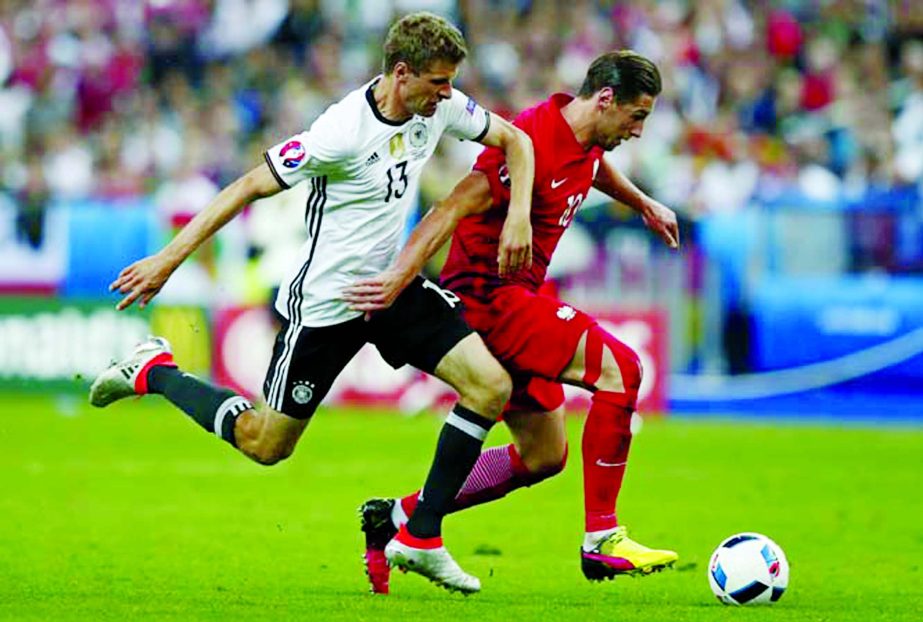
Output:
x=266 y=436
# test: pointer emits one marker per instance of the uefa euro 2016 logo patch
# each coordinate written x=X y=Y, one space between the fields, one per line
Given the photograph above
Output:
x=292 y=154
x=471 y=105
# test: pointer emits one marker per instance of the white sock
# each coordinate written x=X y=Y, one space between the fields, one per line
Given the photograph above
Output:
x=592 y=538
x=398 y=516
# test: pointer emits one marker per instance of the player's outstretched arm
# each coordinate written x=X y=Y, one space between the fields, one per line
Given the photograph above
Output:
x=471 y=195
x=143 y=279
x=658 y=217
x=515 y=250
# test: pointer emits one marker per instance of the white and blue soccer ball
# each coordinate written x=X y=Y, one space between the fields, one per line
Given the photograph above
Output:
x=748 y=568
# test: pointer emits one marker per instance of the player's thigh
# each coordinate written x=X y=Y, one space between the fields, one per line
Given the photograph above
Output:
x=424 y=328
x=469 y=366
x=305 y=362
x=540 y=437
x=533 y=335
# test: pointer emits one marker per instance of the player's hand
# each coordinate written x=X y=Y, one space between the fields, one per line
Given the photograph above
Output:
x=142 y=280
x=515 y=251
x=375 y=293
x=662 y=220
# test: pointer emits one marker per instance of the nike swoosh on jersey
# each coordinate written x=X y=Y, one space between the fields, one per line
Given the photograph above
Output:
x=555 y=183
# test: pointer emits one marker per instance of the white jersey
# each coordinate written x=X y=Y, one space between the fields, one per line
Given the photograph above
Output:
x=364 y=171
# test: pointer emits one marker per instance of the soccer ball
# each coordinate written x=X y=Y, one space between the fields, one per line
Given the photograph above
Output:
x=748 y=568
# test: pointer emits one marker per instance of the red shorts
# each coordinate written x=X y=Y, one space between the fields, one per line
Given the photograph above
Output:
x=533 y=336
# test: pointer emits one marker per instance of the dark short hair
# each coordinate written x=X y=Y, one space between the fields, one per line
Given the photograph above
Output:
x=627 y=73
x=420 y=39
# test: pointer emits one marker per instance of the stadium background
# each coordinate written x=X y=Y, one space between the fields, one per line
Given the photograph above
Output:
x=789 y=139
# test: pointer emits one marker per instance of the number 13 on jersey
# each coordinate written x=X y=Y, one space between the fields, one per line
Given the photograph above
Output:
x=397 y=181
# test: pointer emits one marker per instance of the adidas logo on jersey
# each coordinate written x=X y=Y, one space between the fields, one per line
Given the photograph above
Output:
x=372 y=159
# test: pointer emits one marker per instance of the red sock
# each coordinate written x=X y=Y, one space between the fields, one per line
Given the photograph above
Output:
x=606 y=439
x=498 y=471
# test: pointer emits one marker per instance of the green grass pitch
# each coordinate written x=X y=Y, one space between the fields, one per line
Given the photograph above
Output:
x=133 y=513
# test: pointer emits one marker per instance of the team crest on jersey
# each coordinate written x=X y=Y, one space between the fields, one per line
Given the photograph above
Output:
x=292 y=154
x=566 y=313
x=417 y=135
x=303 y=391
x=396 y=146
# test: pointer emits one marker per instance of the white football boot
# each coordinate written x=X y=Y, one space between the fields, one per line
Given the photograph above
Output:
x=129 y=376
x=435 y=564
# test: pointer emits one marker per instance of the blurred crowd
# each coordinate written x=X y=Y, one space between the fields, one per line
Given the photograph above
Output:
x=174 y=98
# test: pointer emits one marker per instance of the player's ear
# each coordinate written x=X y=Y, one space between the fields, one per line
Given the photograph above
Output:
x=401 y=71
x=605 y=97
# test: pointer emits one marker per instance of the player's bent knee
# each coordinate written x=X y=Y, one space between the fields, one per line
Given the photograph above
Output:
x=496 y=388
x=547 y=464
x=488 y=390
x=621 y=368
x=555 y=462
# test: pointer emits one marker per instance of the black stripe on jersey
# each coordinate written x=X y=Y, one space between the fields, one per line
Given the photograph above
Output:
x=483 y=133
x=315 y=207
x=310 y=208
x=272 y=169
x=316 y=201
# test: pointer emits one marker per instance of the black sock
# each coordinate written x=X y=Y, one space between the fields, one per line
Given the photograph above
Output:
x=457 y=450
x=206 y=404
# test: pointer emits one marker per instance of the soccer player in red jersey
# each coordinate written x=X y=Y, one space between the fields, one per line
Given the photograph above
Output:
x=541 y=341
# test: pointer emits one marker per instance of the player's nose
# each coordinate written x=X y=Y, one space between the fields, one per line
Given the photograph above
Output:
x=637 y=129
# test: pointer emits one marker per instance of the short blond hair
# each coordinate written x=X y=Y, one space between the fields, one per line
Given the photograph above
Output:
x=421 y=39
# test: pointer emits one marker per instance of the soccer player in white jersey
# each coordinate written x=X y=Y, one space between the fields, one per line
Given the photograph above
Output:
x=363 y=158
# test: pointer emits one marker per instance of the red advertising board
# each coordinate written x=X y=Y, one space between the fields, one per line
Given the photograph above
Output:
x=244 y=338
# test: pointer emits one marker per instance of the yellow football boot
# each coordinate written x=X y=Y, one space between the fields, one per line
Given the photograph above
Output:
x=618 y=554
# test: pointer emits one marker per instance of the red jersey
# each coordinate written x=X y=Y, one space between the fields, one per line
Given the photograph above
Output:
x=564 y=173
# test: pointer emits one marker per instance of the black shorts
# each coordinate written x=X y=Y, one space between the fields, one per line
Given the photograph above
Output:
x=419 y=329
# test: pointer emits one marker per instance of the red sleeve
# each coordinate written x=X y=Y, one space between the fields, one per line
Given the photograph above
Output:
x=492 y=162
